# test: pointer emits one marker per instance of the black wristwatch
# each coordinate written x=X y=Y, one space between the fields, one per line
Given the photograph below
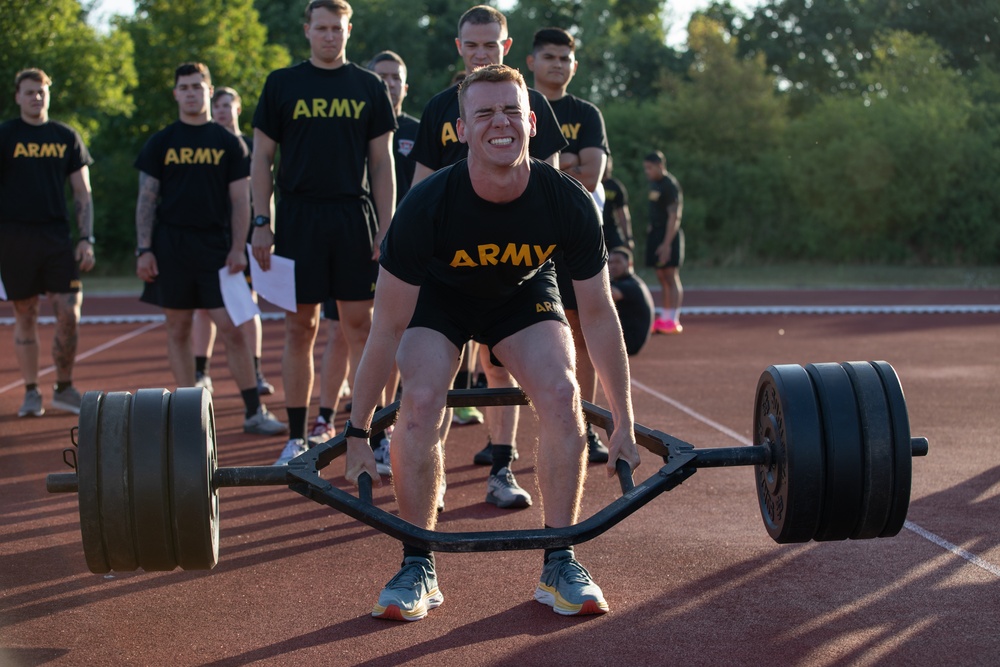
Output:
x=352 y=431
x=262 y=221
x=89 y=239
x=140 y=251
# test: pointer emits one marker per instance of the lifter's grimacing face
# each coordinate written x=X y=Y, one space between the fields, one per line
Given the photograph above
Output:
x=497 y=122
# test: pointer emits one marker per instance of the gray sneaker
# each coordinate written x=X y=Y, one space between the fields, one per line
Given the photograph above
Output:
x=294 y=447
x=411 y=593
x=204 y=381
x=502 y=490
x=32 y=404
x=264 y=388
x=264 y=423
x=381 y=453
x=68 y=399
x=567 y=587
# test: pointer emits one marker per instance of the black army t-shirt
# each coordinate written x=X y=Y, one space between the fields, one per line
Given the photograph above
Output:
x=402 y=147
x=323 y=120
x=581 y=123
x=195 y=165
x=446 y=234
x=35 y=161
x=437 y=141
x=662 y=194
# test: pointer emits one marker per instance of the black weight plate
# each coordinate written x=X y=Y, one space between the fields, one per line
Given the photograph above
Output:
x=876 y=430
x=902 y=473
x=842 y=442
x=195 y=503
x=790 y=488
x=87 y=477
x=113 y=453
x=150 y=480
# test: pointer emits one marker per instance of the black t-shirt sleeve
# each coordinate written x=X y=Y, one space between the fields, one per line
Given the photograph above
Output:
x=548 y=137
x=408 y=246
x=584 y=253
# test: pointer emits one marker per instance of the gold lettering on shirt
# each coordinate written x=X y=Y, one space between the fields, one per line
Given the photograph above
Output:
x=489 y=254
x=334 y=108
x=571 y=132
x=32 y=149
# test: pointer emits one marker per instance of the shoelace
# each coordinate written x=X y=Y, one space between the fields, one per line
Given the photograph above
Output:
x=573 y=573
x=409 y=577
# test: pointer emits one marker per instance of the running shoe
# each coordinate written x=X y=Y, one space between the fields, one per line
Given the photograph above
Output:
x=596 y=450
x=469 y=415
x=204 y=380
x=68 y=399
x=32 y=405
x=664 y=326
x=264 y=423
x=502 y=490
x=382 y=464
x=411 y=593
x=567 y=587
x=264 y=388
x=295 y=447
x=320 y=431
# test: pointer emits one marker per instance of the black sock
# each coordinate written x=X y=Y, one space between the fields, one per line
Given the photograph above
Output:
x=251 y=399
x=461 y=380
x=256 y=366
x=549 y=552
x=201 y=365
x=62 y=386
x=503 y=455
x=481 y=381
x=297 y=422
x=411 y=551
x=326 y=414
x=30 y=387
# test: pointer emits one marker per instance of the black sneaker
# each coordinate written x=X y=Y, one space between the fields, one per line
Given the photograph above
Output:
x=596 y=451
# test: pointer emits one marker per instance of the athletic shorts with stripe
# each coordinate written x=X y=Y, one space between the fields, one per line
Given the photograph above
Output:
x=37 y=259
x=331 y=243
x=188 y=260
x=460 y=318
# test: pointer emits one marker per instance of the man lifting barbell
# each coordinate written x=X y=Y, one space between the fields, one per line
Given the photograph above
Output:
x=466 y=257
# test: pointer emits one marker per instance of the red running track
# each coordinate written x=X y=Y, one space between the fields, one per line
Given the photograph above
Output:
x=692 y=578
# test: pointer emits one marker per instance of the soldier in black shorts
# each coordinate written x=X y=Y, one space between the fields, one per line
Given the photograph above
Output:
x=553 y=62
x=335 y=189
x=467 y=257
x=483 y=40
x=665 y=239
x=37 y=255
x=632 y=299
x=334 y=370
x=226 y=107
x=191 y=220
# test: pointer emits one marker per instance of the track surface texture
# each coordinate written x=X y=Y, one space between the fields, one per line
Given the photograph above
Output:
x=691 y=579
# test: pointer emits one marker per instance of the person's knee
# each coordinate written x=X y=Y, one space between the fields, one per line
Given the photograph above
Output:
x=422 y=404
x=557 y=392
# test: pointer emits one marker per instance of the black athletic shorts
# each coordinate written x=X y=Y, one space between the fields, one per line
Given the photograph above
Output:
x=566 y=291
x=189 y=260
x=655 y=238
x=331 y=243
x=460 y=318
x=37 y=259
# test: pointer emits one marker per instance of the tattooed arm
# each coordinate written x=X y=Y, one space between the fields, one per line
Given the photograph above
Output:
x=84 y=205
x=145 y=216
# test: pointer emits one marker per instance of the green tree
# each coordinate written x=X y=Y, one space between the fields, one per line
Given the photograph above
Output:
x=92 y=73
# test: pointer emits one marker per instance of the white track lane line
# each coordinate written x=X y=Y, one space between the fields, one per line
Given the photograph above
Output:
x=89 y=353
x=909 y=525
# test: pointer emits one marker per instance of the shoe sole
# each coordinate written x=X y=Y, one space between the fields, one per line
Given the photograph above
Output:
x=263 y=390
x=257 y=430
x=32 y=413
x=394 y=613
x=383 y=469
x=564 y=608
x=65 y=407
x=514 y=503
x=465 y=422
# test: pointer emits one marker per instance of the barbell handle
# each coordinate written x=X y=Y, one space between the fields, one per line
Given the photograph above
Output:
x=624 y=471
x=365 y=488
